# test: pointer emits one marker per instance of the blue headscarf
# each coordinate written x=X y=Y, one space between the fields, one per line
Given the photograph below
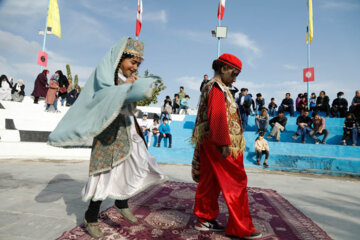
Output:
x=100 y=102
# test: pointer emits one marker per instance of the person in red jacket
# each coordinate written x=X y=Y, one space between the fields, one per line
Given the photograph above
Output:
x=219 y=147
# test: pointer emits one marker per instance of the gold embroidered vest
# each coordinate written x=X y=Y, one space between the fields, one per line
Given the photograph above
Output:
x=201 y=128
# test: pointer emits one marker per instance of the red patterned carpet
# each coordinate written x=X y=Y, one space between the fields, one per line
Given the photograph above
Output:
x=165 y=212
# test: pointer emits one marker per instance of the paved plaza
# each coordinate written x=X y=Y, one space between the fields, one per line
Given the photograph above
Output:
x=41 y=199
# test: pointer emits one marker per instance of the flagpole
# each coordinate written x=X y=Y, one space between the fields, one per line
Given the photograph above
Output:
x=308 y=53
x=45 y=33
x=218 y=48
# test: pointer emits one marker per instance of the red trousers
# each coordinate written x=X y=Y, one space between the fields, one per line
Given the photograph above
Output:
x=226 y=175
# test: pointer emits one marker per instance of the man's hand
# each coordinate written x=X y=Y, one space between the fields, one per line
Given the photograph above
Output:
x=224 y=151
x=164 y=135
x=131 y=79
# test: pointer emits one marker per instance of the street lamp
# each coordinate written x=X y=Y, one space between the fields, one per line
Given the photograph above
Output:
x=219 y=33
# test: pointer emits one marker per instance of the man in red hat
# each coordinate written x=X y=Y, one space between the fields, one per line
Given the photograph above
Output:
x=219 y=147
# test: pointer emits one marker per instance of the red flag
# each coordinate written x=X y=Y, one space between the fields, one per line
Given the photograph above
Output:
x=221 y=9
x=42 y=58
x=139 y=17
x=309 y=74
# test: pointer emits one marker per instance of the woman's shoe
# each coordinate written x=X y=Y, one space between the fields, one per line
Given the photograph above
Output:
x=125 y=212
x=93 y=229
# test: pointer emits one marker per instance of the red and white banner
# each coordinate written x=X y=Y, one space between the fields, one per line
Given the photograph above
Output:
x=309 y=74
x=42 y=58
x=221 y=9
x=139 y=17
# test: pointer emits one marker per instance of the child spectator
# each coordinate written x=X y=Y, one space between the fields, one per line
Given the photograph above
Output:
x=304 y=125
x=350 y=129
x=184 y=104
x=312 y=102
x=339 y=105
x=319 y=129
x=278 y=125
x=262 y=120
x=164 y=132
x=176 y=104
x=272 y=107
x=261 y=147
x=287 y=105
x=260 y=103
x=154 y=131
x=322 y=103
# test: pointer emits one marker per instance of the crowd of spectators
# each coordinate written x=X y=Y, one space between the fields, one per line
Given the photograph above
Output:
x=57 y=88
x=313 y=125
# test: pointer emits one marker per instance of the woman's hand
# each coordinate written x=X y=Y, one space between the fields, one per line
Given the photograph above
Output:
x=131 y=79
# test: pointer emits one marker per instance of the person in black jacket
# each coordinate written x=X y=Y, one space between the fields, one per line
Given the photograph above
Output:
x=17 y=92
x=278 y=125
x=350 y=129
x=339 y=105
x=355 y=104
x=272 y=107
x=63 y=86
x=244 y=102
x=204 y=82
x=304 y=125
x=287 y=105
x=322 y=103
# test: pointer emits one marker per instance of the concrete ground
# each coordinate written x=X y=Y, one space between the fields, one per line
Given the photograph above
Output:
x=41 y=199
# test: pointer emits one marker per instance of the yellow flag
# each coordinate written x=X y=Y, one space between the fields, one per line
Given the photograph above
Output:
x=54 y=18
x=310 y=23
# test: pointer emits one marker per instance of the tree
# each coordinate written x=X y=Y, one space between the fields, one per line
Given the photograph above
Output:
x=68 y=72
x=157 y=88
x=76 y=82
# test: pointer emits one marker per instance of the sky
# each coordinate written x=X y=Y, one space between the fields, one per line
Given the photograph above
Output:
x=267 y=36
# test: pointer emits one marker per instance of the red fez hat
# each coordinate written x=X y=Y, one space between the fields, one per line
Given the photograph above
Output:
x=231 y=60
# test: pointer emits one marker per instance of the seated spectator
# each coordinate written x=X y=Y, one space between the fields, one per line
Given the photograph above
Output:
x=304 y=125
x=339 y=106
x=319 y=129
x=259 y=102
x=350 y=129
x=297 y=101
x=278 y=125
x=272 y=107
x=287 y=105
x=144 y=124
x=154 y=131
x=261 y=147
x=312 y=102
x=322 y=103
x=166 y=109
x=302 y=105
x=72 y=96
x=262 y=120
x=204 y=82
x=5 y=88
x=17 y=92
x=355 y=104
x=184 y=104
x=244 y=103
x=176 y=104
x=164 y=130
